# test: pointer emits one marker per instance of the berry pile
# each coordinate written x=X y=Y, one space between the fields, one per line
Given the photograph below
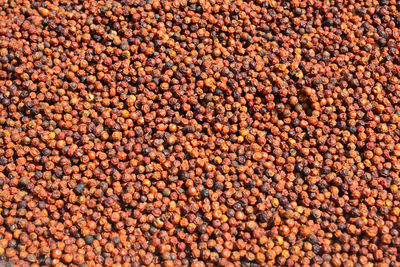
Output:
x=199 y=133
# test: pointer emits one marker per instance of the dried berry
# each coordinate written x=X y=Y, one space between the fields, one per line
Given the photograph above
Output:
x=199 y=133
